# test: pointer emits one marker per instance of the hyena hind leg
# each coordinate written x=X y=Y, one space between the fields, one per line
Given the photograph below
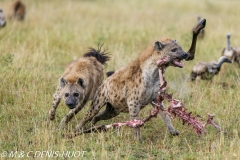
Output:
x=95 y=107
x=55 y=103
x=108 y=113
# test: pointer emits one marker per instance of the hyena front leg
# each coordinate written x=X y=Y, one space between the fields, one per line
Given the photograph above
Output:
x=70 y=114
x=168 y=122
x=134 y=109
x=55 y=103
x=95 y=107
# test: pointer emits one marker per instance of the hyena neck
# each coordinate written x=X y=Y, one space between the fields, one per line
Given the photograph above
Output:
x=150 y=69
x=149 y=65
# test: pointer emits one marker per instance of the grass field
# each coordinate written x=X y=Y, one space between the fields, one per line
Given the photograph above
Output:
x=35 y=52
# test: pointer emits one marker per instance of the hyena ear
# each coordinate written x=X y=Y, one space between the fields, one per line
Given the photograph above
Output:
x=62 y=82
x=81 y=82
x=158 y=46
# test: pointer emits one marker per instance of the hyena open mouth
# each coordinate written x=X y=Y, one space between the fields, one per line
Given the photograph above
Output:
x=166 y=61
x=177 y=63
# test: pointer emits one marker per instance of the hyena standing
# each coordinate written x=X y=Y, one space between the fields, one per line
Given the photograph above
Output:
x=79 y=83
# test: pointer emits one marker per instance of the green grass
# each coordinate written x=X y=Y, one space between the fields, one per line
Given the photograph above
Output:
x=35 y=52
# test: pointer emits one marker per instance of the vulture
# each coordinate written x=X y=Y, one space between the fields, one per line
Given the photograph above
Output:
x=206 y=71
x=232 y=53
x=202 y=31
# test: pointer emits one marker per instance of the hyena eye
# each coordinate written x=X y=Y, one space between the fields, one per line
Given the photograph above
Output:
x=174 y=50
x=75 y=94
x=66 y=94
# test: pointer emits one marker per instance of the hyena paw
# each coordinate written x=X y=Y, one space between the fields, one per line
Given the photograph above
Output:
x=51 y=115
x=78 y=129
x=63 y=123
x=174 y=132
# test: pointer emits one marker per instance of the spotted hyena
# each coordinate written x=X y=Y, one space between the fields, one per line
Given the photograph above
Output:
x=79 y=83
x=17 y=10
x=133 y=87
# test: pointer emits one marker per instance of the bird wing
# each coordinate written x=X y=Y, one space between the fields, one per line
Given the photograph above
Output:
x=200 y=67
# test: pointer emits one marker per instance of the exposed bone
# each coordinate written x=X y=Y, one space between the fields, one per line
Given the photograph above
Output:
x=132 y=123
x=210 y=121
x=206 y=71
x=175 y=109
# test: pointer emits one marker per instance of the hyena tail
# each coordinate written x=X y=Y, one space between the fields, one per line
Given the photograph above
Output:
x=109 y=73
x=101 y=56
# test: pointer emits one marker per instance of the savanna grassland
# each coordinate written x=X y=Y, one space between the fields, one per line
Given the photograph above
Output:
x=34 y=53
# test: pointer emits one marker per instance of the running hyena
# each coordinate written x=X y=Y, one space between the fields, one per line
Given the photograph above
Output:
x=79 y=83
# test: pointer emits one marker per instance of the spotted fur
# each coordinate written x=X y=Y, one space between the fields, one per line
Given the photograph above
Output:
x=133 y=87
x=79 y=83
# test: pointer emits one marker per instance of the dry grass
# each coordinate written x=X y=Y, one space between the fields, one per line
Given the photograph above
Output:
x=35 y=52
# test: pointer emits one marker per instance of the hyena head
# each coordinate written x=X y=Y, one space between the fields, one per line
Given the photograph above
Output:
x=169 y=53
x=72 y=93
